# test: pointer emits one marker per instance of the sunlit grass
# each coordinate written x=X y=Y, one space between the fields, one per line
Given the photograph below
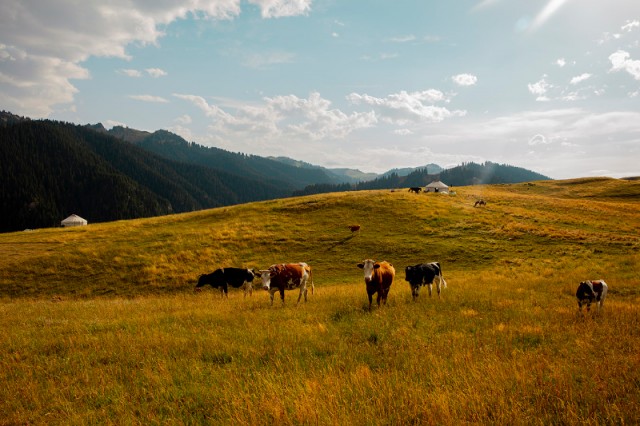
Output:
x=101 y=325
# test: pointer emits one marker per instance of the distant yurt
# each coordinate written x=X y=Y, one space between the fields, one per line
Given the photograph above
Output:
x=437 y=186
x=74 y=220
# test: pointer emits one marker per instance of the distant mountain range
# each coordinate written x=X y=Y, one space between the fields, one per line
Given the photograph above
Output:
x=51 y=169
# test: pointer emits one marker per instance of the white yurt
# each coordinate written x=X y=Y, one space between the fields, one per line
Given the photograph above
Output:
x=74 y=220
x=437 y=186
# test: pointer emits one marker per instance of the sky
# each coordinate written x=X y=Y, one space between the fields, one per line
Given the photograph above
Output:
x=549 y=85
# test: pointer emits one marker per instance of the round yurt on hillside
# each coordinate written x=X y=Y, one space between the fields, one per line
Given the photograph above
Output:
x=437 y=186
x=73 y=220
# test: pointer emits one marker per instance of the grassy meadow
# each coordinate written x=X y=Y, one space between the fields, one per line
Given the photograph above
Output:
x=100 y=324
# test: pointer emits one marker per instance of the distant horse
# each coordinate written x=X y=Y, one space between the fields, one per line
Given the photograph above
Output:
x=480 y=203
x=415 y=189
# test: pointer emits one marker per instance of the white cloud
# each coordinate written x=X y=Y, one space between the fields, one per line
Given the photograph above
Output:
x=156 y=72
x=284 y=116
x=153 y=72
x=404 y=107
x=561 y=62
x=184 y=119
x=580 y=78
x=130 y=73
x=282 y=8
x=539 y=140
x=149 y=98
x=403 y=39
x=263 y=60
x=109 y=124
x=621 y=60
x=403 y=132
x=540 y=89
x=630 y=26
x=47 y=42
x=465 y=79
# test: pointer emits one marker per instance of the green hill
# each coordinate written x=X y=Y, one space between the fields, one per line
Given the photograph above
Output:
x=51 y=169
x=101 y=324
x=522 y=224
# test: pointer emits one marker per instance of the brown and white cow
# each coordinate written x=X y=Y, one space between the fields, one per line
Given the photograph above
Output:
x=287 y=276
x=590 y=291
x=378 y=276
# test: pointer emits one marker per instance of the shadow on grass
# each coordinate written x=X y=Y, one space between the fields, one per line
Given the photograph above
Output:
x=342 y=241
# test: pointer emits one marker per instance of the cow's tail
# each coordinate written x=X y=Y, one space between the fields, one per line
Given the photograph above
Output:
x=311 y=279
x=442 y=280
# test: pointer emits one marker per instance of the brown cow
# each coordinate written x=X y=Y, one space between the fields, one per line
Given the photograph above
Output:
x=354 y=228
x=378 y=276
x=287 y=276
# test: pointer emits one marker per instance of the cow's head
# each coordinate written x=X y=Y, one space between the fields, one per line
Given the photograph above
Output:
x=585 y=290
x=202 y=280
x=368 y=266
x=409 y=273
x=265 y=275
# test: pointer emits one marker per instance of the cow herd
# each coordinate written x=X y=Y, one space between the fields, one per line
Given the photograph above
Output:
x=378 y=277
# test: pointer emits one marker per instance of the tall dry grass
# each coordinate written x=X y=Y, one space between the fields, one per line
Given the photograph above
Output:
x=100 y=325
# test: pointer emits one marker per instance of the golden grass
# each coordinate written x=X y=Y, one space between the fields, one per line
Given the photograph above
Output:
x=100 y=324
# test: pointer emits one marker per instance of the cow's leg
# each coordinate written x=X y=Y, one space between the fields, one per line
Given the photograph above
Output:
x=430 y=286
x=385 y=293
x=415 y=291
x=370 y=295
x=282 y=295
x=271 y=294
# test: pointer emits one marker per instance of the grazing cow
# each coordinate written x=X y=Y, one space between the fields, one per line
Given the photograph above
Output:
x=591 y=290
x=287 y=276
x=424 y=274
x=354 y=228
x=224 y=277
x=415 y=189
x=378 y=276
x=480 y=203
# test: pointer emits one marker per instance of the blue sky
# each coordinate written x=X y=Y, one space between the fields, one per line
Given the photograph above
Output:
x=550 y=85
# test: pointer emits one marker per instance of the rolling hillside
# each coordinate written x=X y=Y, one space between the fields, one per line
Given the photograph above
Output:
x=51 y=170
x=547 y=222
x=101 y=324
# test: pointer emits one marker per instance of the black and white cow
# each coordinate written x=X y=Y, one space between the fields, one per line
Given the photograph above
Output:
x=224 y=277
x=424 y=274
x=590 y=291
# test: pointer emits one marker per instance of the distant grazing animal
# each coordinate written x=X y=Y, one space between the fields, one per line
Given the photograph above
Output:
x=354 y=228
x=480 y=203
x=287 y=276
x=424 y=274
x=378 y=276
x=224 y=277
x=415 y=189
x=591 y=290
